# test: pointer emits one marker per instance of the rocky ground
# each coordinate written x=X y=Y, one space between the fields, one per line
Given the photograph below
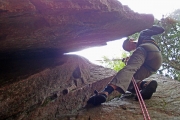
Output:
x=164 y=105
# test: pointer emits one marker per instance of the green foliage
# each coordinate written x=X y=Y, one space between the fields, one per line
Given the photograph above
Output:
x=115 y=63
x=169 y=43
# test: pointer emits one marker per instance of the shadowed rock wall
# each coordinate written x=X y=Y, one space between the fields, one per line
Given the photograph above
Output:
x=62 y=87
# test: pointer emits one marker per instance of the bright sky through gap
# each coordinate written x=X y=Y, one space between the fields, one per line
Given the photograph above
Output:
x=155 y=7
x=114 y=48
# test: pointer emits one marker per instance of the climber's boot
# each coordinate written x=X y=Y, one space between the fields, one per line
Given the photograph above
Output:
x=147 y=89
x=97 y=99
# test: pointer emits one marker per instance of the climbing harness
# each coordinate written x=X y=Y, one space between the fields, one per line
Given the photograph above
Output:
x=141 y=101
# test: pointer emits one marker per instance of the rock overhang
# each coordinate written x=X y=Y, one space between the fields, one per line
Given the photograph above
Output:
x=38 y=27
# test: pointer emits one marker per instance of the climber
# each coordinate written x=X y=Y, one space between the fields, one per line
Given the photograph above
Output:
x=144 y=61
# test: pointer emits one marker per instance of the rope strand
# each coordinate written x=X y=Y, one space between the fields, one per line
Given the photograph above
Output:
x=141 y=101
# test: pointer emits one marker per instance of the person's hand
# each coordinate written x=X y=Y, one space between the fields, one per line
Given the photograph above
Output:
x=125 y=60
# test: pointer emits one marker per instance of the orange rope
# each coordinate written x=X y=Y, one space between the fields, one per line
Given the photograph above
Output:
x=141 y=101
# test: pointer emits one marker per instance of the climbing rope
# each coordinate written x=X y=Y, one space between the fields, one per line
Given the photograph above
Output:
x=141 y=101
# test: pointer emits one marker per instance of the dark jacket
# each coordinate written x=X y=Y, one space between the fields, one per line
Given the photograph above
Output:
x=146 y=35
